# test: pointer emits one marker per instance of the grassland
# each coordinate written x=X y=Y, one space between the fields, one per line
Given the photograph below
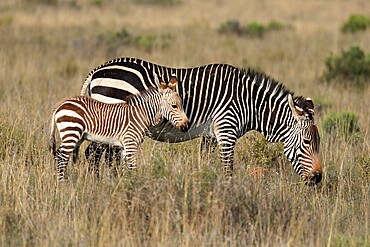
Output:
x=178 y=196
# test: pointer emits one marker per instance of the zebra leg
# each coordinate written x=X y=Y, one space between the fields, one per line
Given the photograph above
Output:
x=208 y=144
x=113 y=158
x=227 y=157
x=93 y=154
x=75 y=154
x=112 y=155
x=131 y=147
x=226 y=138
x=62 y=157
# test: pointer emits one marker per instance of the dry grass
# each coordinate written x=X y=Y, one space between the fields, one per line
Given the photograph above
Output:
x=177 y=196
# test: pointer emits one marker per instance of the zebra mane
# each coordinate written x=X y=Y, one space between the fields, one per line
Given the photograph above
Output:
x=141 y=97
x=273 y=87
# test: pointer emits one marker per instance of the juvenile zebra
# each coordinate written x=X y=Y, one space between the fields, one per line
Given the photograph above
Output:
x=121 y=124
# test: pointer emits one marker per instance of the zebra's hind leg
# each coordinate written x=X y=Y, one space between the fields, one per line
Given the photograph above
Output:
x=75 y=154
x=62 y=157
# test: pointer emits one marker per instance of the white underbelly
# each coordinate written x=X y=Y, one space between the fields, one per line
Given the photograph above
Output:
x=103 y=139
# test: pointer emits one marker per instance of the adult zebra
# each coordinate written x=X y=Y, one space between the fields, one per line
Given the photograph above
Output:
x=222 y=103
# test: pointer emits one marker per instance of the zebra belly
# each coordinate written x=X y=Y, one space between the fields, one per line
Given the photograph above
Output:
x=103 y=139
x=166 y=132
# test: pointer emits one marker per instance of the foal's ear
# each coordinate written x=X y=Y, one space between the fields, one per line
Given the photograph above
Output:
x=173 y=82
x=163 y=84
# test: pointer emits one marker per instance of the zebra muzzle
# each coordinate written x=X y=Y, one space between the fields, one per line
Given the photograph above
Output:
x=315 y=176
x=184 y=127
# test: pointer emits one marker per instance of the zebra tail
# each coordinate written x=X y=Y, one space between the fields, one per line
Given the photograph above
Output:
x=86 y=84
x=52 y=143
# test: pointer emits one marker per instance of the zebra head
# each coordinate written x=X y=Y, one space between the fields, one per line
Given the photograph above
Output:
x=171 y=106
x=302 y=142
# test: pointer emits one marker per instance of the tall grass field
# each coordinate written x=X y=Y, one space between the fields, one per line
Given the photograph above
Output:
x=178 y=196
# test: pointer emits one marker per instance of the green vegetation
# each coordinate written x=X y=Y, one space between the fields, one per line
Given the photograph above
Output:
x=116 y=39
x=345 y=124
x=356 y=23
x=158 y=2
x=98 y=3
x=252 y=29
x=47 y=2
x=351 y=68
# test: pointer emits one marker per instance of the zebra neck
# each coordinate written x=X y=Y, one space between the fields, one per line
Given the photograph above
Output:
x=268 y=109
x=151 y=109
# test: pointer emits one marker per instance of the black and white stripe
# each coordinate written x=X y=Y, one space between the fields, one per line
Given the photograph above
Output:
x=121 y=124
x=222 y=102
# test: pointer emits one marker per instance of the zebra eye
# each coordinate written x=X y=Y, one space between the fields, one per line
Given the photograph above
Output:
x=174 y=106
x=306 y=141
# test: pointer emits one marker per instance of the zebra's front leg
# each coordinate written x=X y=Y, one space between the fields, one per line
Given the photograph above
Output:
x=208 y=144
x=93 y=154
x=131 y=147
x=112 y=155
x=227 y=141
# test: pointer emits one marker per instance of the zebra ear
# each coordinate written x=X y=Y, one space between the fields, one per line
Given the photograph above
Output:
x=310 y=105
x=173 y=82
x=163 y=84
x=297 y=111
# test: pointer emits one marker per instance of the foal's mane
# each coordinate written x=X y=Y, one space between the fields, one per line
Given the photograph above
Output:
x=142 y=96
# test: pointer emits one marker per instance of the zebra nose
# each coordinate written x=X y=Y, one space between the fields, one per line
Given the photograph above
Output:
x=184 y=127
x=315 y=178
x=316 y=174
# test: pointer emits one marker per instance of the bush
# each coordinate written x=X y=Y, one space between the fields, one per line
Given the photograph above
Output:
x=345 y=124
x=351 y=65
x=230 y=26
x=115 y=39
x=253 y=29
x=158 y=2
x=356 y=23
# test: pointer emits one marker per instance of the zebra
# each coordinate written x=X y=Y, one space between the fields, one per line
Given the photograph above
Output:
x=222 y=103
x=122 y=124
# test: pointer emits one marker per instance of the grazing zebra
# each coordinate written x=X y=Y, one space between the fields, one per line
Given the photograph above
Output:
x=122 y=124
x=222 y=103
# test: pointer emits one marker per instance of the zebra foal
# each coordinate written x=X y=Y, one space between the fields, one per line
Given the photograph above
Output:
x=121 y=124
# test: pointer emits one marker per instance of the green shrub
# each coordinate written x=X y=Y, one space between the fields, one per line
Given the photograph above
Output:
x=351 y=66
x=98 y=3
x=115 y=39
x=345 y=124
x=6 y=20
x=158 y=2
x=231 y=26
x=252 y=29
x=356 y=23
x=145 y=42
x=255 y=29
x=47 y=2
